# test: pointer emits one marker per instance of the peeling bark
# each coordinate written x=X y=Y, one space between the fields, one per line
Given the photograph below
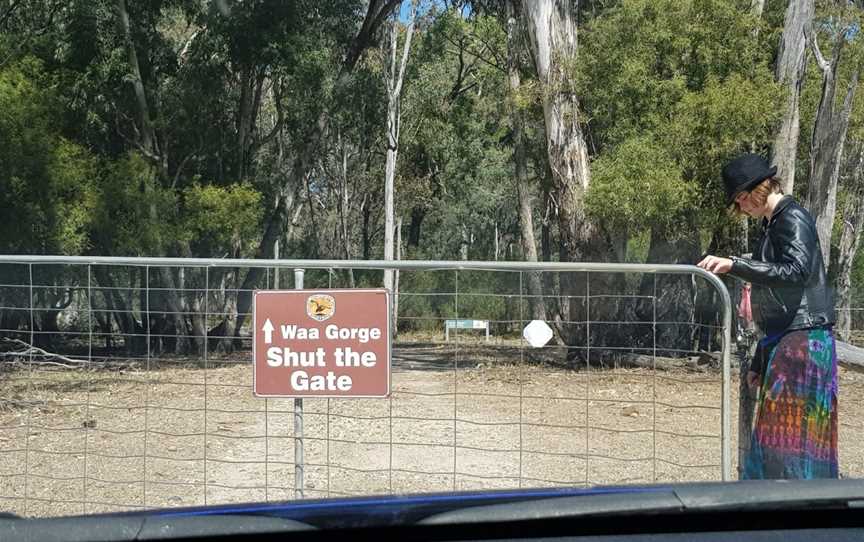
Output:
x=789 y=72
x=826 y=149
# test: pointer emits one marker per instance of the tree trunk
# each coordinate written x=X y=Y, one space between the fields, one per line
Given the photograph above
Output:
x=130 y=328
x=396 y=278
x=103 y=322
x=273 y=230
x=394 y=76
x=199 y=321
x=850 y=240
x=343 y=213
x=292 y=223
x=367 y=234
x=553 y=38
x=251 y=85
x=175 y=318
x=496 y=242
x=757 y=7
x=418 y=213
x=194 y=308
x=313 y=232
x=228 y=340
x=463 y=243
x=789 y=72
x=550 y=281
x=222 y=337
x=546 y=226
x=673 y=296
x=523 y=185
x=148 y=139
x=826 y=149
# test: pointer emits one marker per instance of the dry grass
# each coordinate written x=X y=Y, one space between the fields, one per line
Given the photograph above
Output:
x=179 y=434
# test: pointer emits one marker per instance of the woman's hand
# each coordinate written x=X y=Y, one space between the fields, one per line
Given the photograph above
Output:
x=716 y=265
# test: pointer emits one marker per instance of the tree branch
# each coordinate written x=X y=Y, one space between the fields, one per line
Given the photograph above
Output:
x=29 y=349
x=140 y=148
x=147 y=133
x=182 y=165
x=850 y=96
x=184 y=51
x=9 y=12
x=477 y=56
x=500 y=63
x=375 y=15
x=409 y=32
x=280 y=119
x=51 y=14
x=823 y=64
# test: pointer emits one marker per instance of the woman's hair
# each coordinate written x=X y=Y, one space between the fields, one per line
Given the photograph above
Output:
x=760 y=193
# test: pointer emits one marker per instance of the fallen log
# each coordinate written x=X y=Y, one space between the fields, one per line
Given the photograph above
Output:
x=850 y=356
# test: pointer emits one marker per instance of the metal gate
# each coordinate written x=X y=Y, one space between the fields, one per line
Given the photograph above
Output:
x=126 y=383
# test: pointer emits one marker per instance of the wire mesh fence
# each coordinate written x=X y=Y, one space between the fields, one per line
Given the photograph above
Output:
x=127 y=383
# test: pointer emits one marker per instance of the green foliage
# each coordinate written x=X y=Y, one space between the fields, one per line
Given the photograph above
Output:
x=223 y=220
x=72 y=171
x=686 y=86
x=725 y=118
x=47 y=191
x=641 y=57
x=638 y=186
x=135 y=216
x=455 y=166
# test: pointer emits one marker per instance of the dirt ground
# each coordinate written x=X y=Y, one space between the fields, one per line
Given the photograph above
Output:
x=179 y=435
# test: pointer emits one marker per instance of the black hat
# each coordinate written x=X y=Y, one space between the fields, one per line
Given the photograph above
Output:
x=744 y=173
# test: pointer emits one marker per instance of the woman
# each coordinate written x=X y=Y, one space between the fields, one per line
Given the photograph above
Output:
x=795 y=366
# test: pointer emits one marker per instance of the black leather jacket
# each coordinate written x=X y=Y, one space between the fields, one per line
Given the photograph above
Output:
x=790 y=286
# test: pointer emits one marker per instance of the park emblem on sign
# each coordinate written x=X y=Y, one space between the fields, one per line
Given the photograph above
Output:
x=320 y=306
x=321 y=343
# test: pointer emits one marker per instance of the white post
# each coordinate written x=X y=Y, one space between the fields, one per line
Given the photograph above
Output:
x=276 y=270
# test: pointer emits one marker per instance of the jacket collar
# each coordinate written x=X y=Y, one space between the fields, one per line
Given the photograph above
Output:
x=784 y=202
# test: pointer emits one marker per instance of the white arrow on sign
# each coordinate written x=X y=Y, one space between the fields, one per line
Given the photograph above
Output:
x=537 y=333
x=268 y=331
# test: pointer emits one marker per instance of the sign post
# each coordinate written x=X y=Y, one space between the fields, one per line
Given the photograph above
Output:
x=299 y=459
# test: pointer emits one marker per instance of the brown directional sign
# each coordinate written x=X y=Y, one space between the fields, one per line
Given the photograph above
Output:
x=322 y=343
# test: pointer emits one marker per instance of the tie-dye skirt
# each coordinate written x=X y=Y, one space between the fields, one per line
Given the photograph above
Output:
x=795 y=429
